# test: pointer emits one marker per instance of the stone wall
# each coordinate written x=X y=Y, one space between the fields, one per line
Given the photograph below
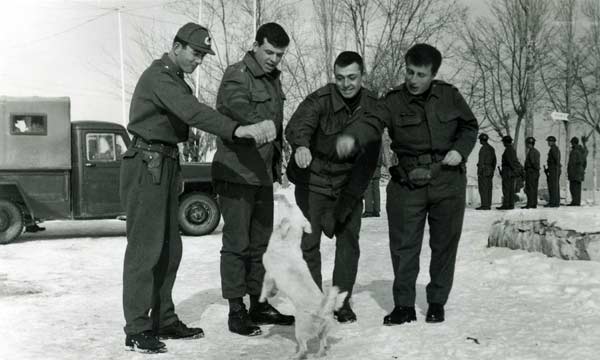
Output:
x=546 y=238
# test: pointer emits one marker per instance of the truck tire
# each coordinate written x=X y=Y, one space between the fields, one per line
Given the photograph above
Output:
x=198 y=214
x=11 y=221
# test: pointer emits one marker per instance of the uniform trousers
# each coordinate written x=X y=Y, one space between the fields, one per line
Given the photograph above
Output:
x=484 y=184
x=575 y=188
x=248 y=223
x=508 y=192
x=347 y=252
x=442 y=204
x=554 y=188
x=531 y=188
x=154 y=247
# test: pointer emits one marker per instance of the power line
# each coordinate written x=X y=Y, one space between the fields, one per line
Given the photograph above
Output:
x=61 y=32
x=153 y=6
x=150 y=18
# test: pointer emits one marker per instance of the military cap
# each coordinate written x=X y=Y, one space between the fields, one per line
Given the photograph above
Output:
x=550 y=138
x=530 y=140
x=574 y=140
x=483 y=136
x=196 y=36
x=507 y=139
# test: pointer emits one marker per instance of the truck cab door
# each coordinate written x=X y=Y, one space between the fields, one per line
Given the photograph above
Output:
x=98 y=195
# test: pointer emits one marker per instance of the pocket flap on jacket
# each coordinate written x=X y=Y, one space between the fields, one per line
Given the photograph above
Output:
x=409 y=119
x=450 y=116
x=260 y=96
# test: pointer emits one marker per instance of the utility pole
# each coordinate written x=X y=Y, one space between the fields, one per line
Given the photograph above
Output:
x=254 y=17
x=570 y=81
x=124 y=110
x=529 y=71
x=198 y=68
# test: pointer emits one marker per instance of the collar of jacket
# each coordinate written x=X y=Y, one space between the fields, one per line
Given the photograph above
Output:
x=255 y=68
x=337 y=101
x=171 y=66
x=436 y=90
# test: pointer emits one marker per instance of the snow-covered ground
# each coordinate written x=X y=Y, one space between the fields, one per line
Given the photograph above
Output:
x=60 y=298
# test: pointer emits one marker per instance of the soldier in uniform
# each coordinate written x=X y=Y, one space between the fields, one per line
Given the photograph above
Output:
x=162 y=109
x=576 y=170
x=553 y=170
x=433 y=131
x=329 y=189
x=243 y=176
x=532 y=173
x=510 y=170
x=486 y=166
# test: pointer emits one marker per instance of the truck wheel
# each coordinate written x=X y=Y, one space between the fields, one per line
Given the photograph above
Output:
x=198 y=214
x=11 y=221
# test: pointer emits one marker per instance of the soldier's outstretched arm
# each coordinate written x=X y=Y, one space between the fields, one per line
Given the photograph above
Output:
x=188 y=109
x=367 y=130
x=301 y=128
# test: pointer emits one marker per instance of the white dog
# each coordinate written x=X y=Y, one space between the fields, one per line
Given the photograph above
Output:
x=287 y=271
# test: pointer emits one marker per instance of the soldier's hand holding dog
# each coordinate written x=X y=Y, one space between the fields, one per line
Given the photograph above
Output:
x=452 y=158
x=303 y=157
x=344 y=145
x=262 y=132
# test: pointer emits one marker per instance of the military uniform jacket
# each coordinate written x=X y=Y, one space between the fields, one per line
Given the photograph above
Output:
x=316 y=124
x=577 y=163
x=553 y=161
x=442 y=123
x=486 y=164
x=163 y=107
x=510 y=163
x=532 y=162
x=248 y=95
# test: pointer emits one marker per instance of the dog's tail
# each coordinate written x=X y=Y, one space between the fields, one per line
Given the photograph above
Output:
x=332 y=302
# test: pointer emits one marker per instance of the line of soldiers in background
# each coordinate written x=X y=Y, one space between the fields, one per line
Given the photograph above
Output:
x=513 y=173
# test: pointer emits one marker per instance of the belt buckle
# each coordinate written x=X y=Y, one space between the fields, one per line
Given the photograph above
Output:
x=424 y=159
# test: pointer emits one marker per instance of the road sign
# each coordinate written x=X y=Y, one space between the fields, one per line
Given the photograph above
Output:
x=559 y=116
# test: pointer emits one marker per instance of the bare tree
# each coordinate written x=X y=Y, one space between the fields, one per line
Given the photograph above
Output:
x=505 y=50
x=326 y=16
x=588 y=79
x=564 y=64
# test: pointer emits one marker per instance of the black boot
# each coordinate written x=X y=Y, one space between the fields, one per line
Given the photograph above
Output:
x=240 y=323
x=264 y=313
x=145 y=342
x=435 y=313
x=400 y=315
x=178 y=330
x=345 y=313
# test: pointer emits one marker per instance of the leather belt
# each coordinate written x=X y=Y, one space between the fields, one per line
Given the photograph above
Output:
x=409 y=162
x=169 y=150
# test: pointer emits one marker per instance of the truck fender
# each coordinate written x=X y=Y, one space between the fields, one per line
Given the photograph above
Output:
x=11 y=191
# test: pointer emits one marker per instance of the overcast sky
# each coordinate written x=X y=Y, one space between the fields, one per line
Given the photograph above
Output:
x=67 y=48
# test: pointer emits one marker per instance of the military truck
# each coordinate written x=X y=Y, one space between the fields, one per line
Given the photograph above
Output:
x=54 y=169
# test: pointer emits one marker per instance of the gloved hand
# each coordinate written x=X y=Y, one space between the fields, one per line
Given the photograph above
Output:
x=332 y=221
x=344 y=206
x=328 y=224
